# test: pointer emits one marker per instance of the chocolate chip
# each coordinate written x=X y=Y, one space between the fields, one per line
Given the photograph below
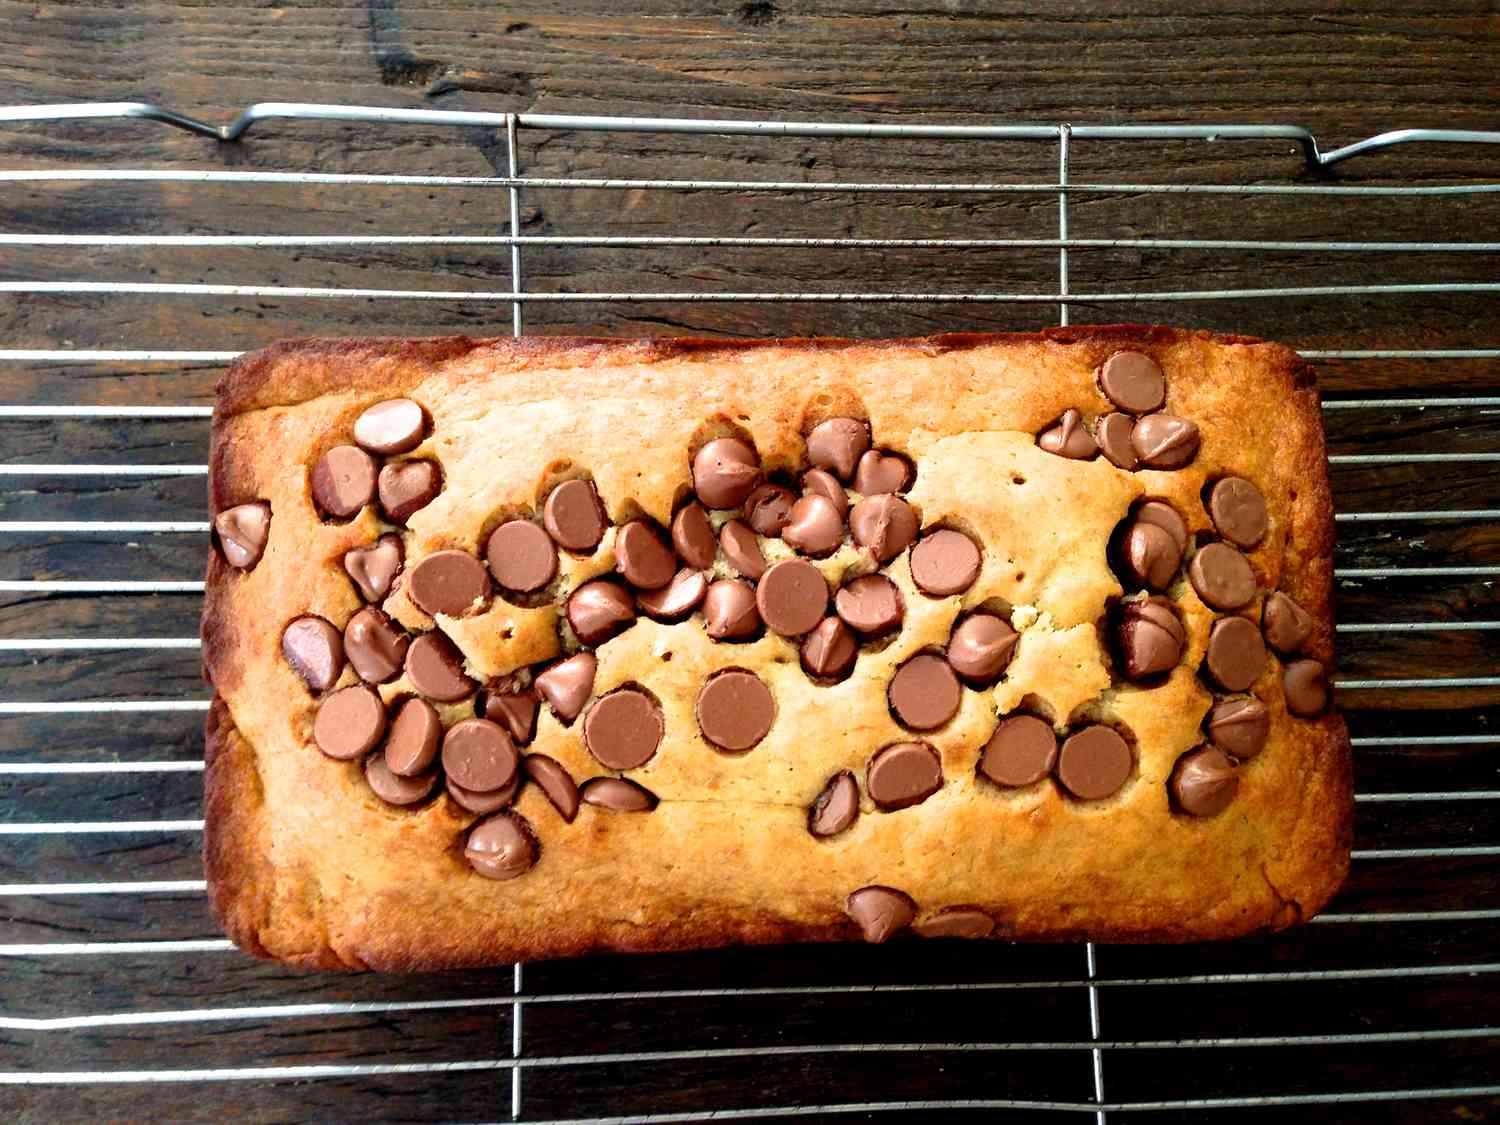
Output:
x=435 y=668
x=1067 y=437
x=1150 y=555
x=815 y=526
x=729 y=612
x=981 y=648
x=1239 y=726
x=880 y=912
x=374 y=568
x=568 y=684
x=870 y=605
x=1164 y=516
x=1094 y=763
x=479 y=755
x=643 y=556
x=944 y=563
x=820 y=482
x=243 y=531
x=375 y=645
x=1133 y=382
x=406 y=487
x=1238 y=511
x=1152 y=639
x=1285 y=623
x=1022 y=751
x=448 y=582
x=482 y=804
x=742 y=549
x=837 y=445
x=882 y=472
x=1222 y=577
x=1113 y=435
x=501 y=847
x=349 y=723
x=617 y=794
x=598 y=610
x=724 y=472
x=521 y=556
x=792 y=597
x=556 y=782
x=903 y=775
x=513 y=707
x=394 y=789
x=574 y=516
x=1164 y=441
x=735 y=710
x=1203 y=782
x=693 y=536
x=957 y=922
x=396 y=425
x=828 y=652
x=623 y=729
x=315 y=651
x=416 y=734
x=1306 y=685
x=836 y=808
x=767 y=509
x=924 y=693
x=677 y=598
x=885 y=525
x=1236 y=655
x=343 y=481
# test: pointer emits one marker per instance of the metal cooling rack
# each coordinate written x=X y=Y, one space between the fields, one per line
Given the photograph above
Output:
x=76 y=1026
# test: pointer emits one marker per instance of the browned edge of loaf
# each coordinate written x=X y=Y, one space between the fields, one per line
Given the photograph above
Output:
x=239 y=873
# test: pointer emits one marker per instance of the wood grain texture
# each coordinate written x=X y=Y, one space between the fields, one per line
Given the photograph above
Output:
x=1344 y=73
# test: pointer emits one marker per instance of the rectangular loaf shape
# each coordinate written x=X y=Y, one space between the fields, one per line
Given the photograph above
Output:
x=307 y=865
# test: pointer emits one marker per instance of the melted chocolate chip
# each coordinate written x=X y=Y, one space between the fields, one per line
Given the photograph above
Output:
x=836 y=808
x=406 y=487
x=435 y=668
x=724 y=472
x=1094 y=763
x=828 y=652
x=623 y=729
x=482 y=804
x=981 y=648
x=568 y=684
x=957 y=922
x=515 y=708
x=343 y=482
x=479 y=755
x=1285 y=623
x=574 y=516
x=1306 y=685
x=1238 y=511
x=729 y=612
x=815 y=526
x=944 y=563
x=1113 y=435
x=880 y=912
x=885 y=525
x=1222 y=576
x=693 y=536
x=677 y=598
x=449 y=582
x=735 y=710
x=416 y=734
x=375 y=646
x=521 y=556
x=742 y=549
x=1022 y=751
x=598 y=610
x=1164 y=516
x=556 y=782
x=396 y=425
x=882 y=472
x=1203 y=782
x=924 y=693
x=870 y=605
x=643 y=556
x=1150 y=555
x=1133 y=382
x=394 y=789
x=820 y=482
x=1239 y=726
x=1067 y=437
x=374 y=568
x=243 y=531
x=1236 y=655
x=314 y=650
x=501 y=847
x=617 y=794
x=792 y=597
x=1164 y=441
x=767 y=509
x=837 y=445
x=350 y=723
x=1152 y=639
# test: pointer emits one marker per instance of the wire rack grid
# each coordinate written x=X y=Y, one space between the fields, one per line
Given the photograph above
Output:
x=118 y=995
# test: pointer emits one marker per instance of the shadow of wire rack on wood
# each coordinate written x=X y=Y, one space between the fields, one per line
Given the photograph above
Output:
x=117 y=989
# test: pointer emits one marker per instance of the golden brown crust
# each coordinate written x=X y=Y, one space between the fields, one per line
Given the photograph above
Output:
x=305 y=866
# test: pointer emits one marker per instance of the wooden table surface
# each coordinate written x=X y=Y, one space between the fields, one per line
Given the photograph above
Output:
x=585 y=1049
